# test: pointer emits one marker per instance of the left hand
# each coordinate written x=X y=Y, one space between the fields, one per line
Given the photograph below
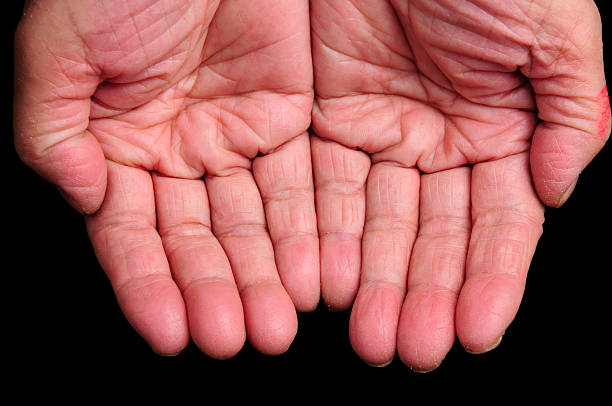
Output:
x=179 y=130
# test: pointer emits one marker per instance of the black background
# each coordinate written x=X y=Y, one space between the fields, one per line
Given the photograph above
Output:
x=63 y=330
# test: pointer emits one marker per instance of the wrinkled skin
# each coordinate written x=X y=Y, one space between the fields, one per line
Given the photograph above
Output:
x=179 y=128
x=442 y=129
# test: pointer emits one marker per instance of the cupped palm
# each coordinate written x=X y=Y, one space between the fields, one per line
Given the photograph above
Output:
x=180 y=128
x=441 y=127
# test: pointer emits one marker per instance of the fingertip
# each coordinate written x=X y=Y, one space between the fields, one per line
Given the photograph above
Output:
x=564 y=195
x=216 y=319
x=298 y=266
x=423 y=370
x=421 y=358
x=484 y=311
x=560 y=153
x=426 y=330
x=169 y=341
x=554 y=175
x=162 y=322
x=305 y=303
x=373 y=323
x=483 y=348
x=554 y=193
x=337 y=303
x=475 y=343
x=85 y=200
x=335 y=298
x=340 y=270
x=169 y=346
x=78 y=169
x=383 y=365
x=270 y=318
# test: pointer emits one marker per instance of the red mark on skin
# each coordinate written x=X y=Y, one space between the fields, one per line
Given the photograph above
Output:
x=604 y=120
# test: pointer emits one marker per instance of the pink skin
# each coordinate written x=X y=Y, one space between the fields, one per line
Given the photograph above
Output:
x=179 y=128
x=603 y=130
x=442 y=128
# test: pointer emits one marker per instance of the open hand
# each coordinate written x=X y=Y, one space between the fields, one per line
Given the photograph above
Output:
x=179 y=129
x=442 y=129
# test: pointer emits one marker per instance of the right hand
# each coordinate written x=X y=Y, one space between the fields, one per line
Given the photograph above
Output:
x=442 y=126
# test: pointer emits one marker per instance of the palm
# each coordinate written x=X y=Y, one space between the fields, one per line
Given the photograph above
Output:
x=437 y=94
x=201 y=113
x=208 y=95
x=396 y=68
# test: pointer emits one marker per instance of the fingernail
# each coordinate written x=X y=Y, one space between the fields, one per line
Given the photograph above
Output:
x=68 y=198
x=169 y=355
x=423 y=371
x=166 y=355
x=379 y=365
x=495 y=345
x=567 y=192
x=73 y=203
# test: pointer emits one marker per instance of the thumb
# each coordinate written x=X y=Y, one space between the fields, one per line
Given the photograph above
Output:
x=567 y=76
x=53 y=87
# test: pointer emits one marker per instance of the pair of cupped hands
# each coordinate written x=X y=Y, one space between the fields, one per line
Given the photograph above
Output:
x=238 y=161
